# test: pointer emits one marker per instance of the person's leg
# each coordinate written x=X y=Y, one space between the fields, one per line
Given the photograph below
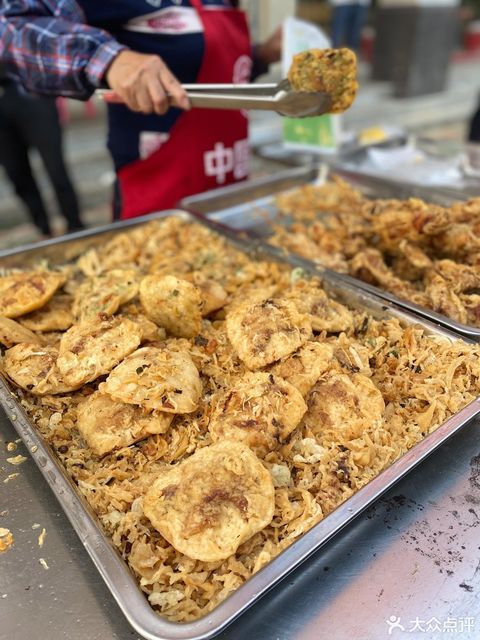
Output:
x=47 y=139
x=474 y=127
x=357 y=18
x=116 y=200
x=14 y=158
x=339 y=17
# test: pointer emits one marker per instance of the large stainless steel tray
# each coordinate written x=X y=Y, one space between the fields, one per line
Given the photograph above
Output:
x=250 y=207
x=110 y=565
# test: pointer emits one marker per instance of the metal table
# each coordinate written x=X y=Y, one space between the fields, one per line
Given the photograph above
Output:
x=411 y=561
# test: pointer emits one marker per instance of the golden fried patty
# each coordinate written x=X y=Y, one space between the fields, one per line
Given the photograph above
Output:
x=149 y=331
x=333 y=71
x=34 y=368
x=12 y=332
x=211 y=503
x=105 y=293
x=260 y=410
x=107 y=424
x=95 y=347
x=213 y=294
x=156 y=379
x=344 y=404
x=325 y=314
x=21 y=293
x=304 y=367
x=172 y=303
x=56 y=315
x=263 y=332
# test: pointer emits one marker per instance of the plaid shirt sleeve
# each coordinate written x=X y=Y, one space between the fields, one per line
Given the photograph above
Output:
x=50 y=49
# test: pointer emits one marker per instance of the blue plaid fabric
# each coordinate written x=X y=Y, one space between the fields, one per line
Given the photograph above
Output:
x=49 y=46
x=64 y=47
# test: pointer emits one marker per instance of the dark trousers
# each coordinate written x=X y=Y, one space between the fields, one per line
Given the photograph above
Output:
x=347 y=23
x=474 y=127
x=28 y=122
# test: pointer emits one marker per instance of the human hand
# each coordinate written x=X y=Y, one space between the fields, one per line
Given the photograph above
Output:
x=271 y=50
x=144 y=83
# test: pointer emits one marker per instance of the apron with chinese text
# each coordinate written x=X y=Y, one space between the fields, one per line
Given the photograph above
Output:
x=205 y=148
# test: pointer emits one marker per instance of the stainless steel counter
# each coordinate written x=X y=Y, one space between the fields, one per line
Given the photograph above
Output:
x=415 y=556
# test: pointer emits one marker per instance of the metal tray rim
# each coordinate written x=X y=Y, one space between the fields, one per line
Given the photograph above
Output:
x=114 y=570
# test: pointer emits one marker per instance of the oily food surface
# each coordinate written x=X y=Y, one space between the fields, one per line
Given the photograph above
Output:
x=421 y=252
x=24 y=292
x=332 y=71
x=210 y=503
x=205 y=456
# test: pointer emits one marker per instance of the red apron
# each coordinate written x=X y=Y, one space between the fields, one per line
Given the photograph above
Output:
x=206 y=148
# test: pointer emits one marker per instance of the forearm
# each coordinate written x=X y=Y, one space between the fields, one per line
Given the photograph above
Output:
x=259 y=66
x=264 y=53
x=50 y=49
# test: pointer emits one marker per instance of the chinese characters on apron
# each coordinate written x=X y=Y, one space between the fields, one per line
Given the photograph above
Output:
x=206 y=148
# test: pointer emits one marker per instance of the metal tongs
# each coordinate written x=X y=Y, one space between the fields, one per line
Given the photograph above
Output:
x=268 y=97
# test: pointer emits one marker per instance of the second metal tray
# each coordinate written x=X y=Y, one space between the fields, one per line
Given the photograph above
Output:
x=110 y=565
x=250 y=207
